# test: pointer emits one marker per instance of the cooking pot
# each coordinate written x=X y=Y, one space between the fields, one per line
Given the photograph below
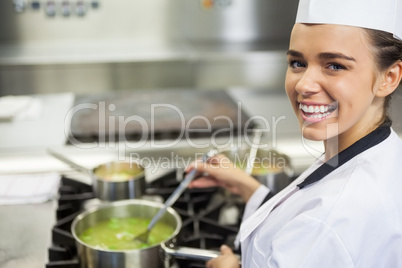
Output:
x=270 y=167
x=112 y=181
x=150 y=257
x=118 y=181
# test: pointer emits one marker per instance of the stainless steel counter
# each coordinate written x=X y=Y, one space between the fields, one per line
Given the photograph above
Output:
x=25 y=234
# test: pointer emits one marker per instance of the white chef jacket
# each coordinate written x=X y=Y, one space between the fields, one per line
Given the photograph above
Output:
x=352 y=217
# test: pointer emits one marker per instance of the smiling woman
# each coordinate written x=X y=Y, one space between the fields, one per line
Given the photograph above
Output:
x=343 y=66
x=322 y=72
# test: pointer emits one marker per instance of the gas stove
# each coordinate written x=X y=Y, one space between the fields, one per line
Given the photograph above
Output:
x=204 y=214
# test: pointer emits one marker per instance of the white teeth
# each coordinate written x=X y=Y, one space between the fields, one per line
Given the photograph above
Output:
x=315 y=111
x=318 y=116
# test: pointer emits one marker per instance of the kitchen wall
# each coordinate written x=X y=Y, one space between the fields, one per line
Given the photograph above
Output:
x=227 y=20
x=129 y=44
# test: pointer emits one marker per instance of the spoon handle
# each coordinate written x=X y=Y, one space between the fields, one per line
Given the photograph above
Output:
x=179 y=190
x=253 y=152
x=173 y=197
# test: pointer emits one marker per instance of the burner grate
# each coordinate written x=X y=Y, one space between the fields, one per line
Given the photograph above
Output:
x=199 y=209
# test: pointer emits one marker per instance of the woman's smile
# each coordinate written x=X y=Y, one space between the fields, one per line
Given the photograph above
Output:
x=314 y=113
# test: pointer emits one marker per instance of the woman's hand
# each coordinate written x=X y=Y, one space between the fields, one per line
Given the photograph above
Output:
x=226 y=260
x=220 y=171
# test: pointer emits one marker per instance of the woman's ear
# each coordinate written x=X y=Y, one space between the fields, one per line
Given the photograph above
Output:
x=392 y=78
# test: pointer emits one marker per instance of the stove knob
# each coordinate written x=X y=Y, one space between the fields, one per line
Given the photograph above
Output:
x=65 y=8
x=19 y=5
x=35 y=5
x=95 y=4
x=50 y=8
x=80 y=8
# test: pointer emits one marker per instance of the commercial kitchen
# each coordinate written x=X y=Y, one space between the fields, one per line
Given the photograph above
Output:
x=92 y=76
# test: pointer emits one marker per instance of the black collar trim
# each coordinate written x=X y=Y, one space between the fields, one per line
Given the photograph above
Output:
x=370 y=140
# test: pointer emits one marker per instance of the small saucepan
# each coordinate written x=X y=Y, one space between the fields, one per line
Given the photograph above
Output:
x=273 y=169
x=153 y=256
x=270 y=167
x=118 y=181
x=112 y=181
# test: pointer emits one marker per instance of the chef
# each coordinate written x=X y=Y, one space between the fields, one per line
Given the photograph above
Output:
x=344 y=64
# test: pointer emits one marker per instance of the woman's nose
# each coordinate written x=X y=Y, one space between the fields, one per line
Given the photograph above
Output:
x=308 y=83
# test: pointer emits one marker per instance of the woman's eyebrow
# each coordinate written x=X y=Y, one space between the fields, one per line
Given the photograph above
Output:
x=323 y=55
x=294 y=53
x=331 y=55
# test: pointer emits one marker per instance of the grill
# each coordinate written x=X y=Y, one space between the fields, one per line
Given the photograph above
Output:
x=157 y=115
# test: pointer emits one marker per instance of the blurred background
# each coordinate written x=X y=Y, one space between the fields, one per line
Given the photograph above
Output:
x=102 y=45
x=206 y=57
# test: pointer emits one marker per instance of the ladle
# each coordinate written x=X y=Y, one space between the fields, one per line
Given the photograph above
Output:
x=143 y=237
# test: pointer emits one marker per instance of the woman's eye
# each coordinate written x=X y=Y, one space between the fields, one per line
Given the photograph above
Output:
x=296 y=64
x=336 y=66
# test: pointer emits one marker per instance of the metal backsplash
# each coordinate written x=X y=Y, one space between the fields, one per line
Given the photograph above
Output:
x=100 y=45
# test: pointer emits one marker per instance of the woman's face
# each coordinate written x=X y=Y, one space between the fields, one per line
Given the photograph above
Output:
x=331 y=82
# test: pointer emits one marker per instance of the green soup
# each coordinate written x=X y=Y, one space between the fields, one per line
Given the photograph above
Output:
x=119 y=234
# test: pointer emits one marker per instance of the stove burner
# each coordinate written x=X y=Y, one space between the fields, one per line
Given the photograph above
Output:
x=200 y=210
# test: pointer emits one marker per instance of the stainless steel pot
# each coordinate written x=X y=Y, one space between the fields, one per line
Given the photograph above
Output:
x=270 y=167
x=91 y=257
x=151 y=257
x=110 y=186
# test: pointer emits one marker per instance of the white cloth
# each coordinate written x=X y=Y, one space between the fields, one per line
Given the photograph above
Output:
x=350 y=218
x=28 y=188
x=11 y=106
x=255 y=201
x=252 y=205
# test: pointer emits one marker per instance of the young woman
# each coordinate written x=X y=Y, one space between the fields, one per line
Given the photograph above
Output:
x=346 y=209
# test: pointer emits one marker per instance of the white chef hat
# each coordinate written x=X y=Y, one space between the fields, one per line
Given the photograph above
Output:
x=384 y=15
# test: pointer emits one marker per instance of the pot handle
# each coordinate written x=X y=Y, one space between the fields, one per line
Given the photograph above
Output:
x=190 y=253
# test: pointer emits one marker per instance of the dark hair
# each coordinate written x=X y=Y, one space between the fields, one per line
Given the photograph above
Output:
x=387 y=51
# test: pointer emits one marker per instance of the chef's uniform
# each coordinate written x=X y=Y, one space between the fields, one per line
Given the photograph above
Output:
x=343 y=213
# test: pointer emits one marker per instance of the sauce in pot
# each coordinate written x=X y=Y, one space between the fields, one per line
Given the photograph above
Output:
x=119 y=234
x=118 y=171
